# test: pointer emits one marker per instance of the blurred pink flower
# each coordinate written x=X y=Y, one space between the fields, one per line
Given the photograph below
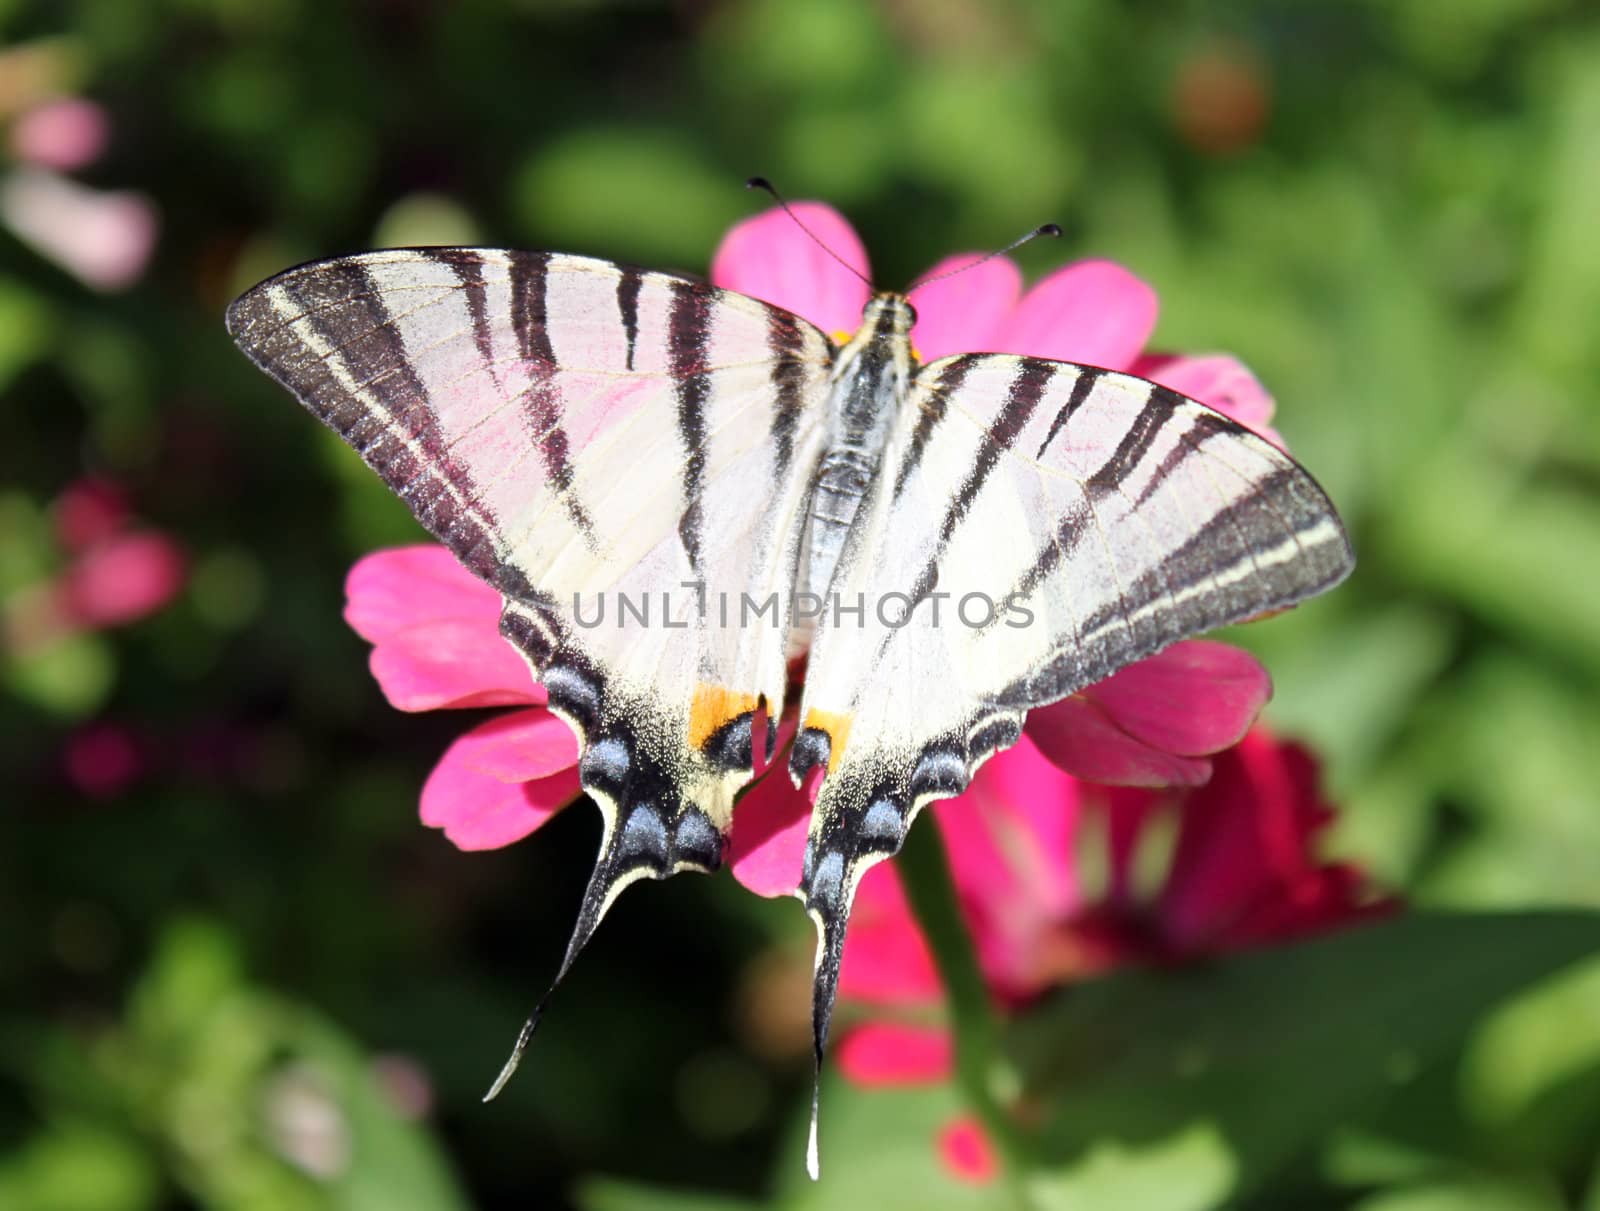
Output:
x=966 y=1151
x=116 y=573
x=65 y=134
x=119 y=579
x=104 y=239
x=435 y=627
x=1242 y=872
x=102 y=760
x=87 y=510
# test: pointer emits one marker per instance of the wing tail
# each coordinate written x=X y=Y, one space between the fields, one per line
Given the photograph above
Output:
x=857 y=823
x=652 y=828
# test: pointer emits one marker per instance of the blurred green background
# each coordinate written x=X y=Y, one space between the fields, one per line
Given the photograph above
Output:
x=241 y=975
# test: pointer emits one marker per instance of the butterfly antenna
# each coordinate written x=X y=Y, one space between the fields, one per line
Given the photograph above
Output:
x=1053 y=230
x=765 y=185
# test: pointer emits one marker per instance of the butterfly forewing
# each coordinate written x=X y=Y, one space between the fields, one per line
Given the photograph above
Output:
x=597 y=443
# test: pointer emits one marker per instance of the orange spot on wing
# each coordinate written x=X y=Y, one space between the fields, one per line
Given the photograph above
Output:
x=837 y=726
x=713 y=706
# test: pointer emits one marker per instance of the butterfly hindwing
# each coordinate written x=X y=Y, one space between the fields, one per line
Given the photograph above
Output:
x=1065 y=521
x=604 y=446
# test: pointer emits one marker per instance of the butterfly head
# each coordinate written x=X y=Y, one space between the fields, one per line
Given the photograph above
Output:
x=888 y=316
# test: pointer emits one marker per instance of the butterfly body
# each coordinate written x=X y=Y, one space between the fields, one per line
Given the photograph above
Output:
x=986 y=533
x=868 y=385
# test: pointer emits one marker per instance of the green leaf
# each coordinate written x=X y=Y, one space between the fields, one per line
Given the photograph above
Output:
x=1479 y=1192
x=592 y=190
x=78 y=1166
x=1274 y=1048
x=27 y=327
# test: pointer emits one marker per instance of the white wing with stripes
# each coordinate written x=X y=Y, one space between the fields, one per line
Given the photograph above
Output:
x=596 y=442
x=1038 y=525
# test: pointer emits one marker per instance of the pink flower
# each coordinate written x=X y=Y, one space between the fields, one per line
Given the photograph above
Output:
x=117 y=572
x=436 y=644
x=104 y=239
x=87 y=510
x=1243 y=872
x=102 y=760
x=66 y=134
x=120 y=579
x=1155 y=723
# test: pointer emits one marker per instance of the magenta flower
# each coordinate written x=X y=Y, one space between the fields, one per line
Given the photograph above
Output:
x=436 y=644
x=434 y=626
x=1243 y=872
x=102 y=760
x=64 y=134
x=115 y=572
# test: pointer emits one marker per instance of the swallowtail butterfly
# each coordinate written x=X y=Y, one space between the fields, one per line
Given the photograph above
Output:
x=576 y=430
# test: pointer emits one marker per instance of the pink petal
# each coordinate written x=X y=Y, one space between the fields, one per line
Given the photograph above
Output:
x=882 y=1053
x=65 y=134
x=1080 y=738
x=1094 y=312
x=886 y=958
x=103 y=239
x=767 y=844
x=391 y=591
x=770 y=257
x=1331 y=898
x=1244 y=839
x=1010 y=840
x=88 y=510
x=1129 y=811
x=478 y=810
x=519 y=746
x=967 y=1152
x=1219 y=382
x=436 y=631
x=964 y=313
x=452 y=665
x=121 y=579
x=1012 y=830
x=1193 y=699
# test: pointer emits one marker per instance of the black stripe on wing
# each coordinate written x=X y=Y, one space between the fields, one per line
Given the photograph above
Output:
x=542 y=407
x=1088 y=376
x=786 y=341
x=324 y=332
x=629 y=283
x=688 y=342
x=951 y=375
x=1028 y=387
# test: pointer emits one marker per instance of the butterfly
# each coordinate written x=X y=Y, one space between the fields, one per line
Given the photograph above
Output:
x=953 y=543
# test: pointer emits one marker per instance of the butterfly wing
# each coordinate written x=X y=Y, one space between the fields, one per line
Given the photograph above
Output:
x=1065 y=521
x=606 y=447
